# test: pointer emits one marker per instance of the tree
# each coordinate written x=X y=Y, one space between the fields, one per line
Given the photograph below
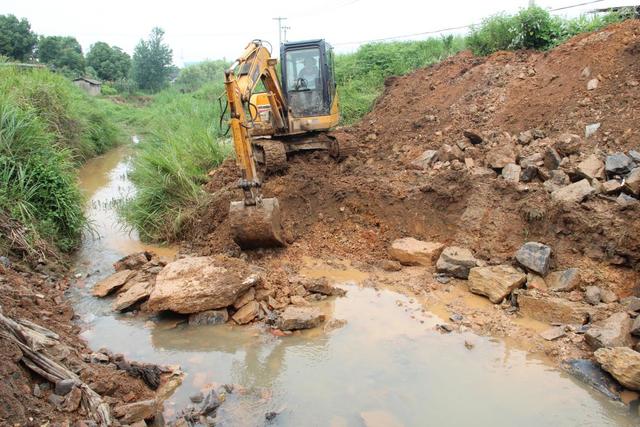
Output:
x=16 y=38
x=63 y=53
x=191 y=78
x=152 y=62
x=110 y=63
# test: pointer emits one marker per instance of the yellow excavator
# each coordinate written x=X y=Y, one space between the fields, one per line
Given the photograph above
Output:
x=288 y=115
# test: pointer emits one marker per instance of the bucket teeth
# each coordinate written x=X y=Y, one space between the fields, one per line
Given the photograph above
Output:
x=256 y=226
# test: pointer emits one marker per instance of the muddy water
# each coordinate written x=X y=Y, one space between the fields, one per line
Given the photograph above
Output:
x=387 y=360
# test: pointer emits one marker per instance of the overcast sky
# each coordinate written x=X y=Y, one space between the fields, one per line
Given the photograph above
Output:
x=198 y=30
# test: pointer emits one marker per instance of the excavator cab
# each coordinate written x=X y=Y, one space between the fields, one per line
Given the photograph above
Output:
x=308 y=78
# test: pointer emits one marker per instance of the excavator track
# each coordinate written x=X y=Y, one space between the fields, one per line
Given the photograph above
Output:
x=274 y=156
x=341 y=149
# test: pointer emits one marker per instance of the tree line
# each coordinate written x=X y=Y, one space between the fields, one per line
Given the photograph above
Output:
x=150 y=68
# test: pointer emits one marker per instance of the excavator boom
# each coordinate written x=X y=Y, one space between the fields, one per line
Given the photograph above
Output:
x=255 y=221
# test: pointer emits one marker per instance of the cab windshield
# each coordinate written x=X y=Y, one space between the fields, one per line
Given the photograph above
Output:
x=304 y=81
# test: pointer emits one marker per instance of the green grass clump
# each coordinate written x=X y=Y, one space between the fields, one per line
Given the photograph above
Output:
x=533 y=28
x=78 y=121
x=181 y=145
x=40 y=204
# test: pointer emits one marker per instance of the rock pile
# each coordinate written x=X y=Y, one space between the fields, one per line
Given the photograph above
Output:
x=212 y=290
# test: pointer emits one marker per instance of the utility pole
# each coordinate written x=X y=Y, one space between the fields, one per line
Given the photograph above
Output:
x=284 y=35
x=280 y=19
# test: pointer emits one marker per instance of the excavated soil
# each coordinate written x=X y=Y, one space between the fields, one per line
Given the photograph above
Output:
x=38 y=297
x=355 y=208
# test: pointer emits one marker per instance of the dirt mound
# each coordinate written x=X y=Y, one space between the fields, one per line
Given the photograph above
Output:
x=27 y=398
x=356 y=207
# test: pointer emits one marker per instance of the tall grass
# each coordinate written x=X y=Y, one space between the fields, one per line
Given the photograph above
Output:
x=47 y=128
x=77 y=121
x=37 y=183
x=180 y=146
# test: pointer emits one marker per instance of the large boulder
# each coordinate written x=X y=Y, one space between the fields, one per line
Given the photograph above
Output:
x=535 y=257
x=615 y=331
x=552 y=309
x=573 y=193
x=294 y=317
x=495 y=282
x=564 y=281
x=410 y=251
x=623 y=363
x=592 y=374
x=456 y=262
x=195 y=284
x=111 y=283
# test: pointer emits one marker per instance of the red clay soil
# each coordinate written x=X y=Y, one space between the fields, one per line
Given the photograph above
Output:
x=39 y=298
x=355 y=208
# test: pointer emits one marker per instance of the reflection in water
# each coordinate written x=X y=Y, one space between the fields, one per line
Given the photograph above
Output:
x=387 y=357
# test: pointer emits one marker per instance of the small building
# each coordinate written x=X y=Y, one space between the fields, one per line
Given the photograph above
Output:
x=92 y=87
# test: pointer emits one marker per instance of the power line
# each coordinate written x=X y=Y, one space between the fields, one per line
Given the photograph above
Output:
x=442 y=30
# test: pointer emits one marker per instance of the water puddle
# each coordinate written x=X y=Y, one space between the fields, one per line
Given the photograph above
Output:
x=386 y=362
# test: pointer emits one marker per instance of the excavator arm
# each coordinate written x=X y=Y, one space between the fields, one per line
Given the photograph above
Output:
x=255 y=221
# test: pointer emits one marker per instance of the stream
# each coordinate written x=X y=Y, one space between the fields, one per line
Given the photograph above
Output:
x=387 y=363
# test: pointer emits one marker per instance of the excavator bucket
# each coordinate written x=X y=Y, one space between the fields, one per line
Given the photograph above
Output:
x=256 y=226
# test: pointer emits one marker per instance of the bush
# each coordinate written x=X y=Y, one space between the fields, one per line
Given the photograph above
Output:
x=193 y=77
x=532 y=28
x=38 y=191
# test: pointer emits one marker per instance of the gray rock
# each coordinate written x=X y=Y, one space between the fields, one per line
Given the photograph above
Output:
x=37 y=391
x=552 y=159
x=591 y=374
x=529 y=173
x=591 y=129
x=63 y=387
x=210 y=317
x=197 y=397
x=635 y=327
x=535 y=257
x=5 y=262
x=456 y=262
x=618 y=164
x=559 y=177
x=293 y=318
x=511 y=172
x=625 y=199
x=211 y=403
x=564 y=281
x=99 y=358
x=426 y=159
x=631 y=303
x=535 y=159
x=615 y=331
x=592 y=295
x=635 y=156
x=573 y=193
x=525 y=137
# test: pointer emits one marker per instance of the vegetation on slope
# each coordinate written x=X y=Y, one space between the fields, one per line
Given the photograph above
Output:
x=47 y=127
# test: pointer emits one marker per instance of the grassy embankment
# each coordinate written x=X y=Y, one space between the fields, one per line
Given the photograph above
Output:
x=48 y=127
x=184 y=142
